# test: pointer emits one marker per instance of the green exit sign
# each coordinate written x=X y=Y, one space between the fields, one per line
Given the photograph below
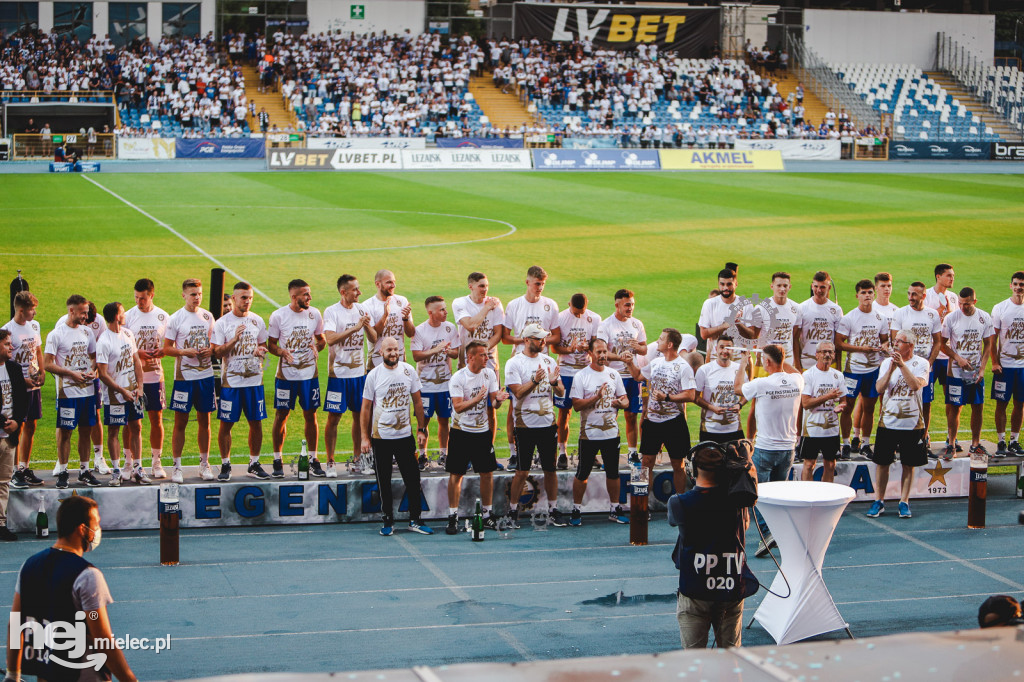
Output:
x=357 y=11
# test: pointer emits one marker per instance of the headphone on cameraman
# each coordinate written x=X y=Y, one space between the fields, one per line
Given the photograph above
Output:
x=734 y=470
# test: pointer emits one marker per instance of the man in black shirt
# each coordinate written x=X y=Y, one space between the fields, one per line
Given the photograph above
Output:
x=710 y=554
x=13 y=410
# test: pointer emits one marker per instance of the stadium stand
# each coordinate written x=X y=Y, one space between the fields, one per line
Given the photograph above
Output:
x=921 y=108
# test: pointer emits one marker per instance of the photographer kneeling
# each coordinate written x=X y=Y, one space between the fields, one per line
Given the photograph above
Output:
x=710 y=551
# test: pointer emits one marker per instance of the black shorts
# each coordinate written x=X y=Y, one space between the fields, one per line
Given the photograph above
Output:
x=674 y=434
x=35 y=405
x=826 y=446
x=465 y=447
x=721 y=437
x=544 y=439
x=910 y=444
x=588 y=449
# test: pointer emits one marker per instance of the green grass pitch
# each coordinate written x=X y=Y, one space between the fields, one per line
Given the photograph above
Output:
x=664 y=235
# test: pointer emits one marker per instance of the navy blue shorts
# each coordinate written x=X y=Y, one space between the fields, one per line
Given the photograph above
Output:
x=940 y=369
x=437 y=403
x=861 y=384
x=564 y=402
x=1008 y=384
x=119 y=414
x=198 y=392
x=344 y=395
x=74 y=411
x=960 y=394
x=156 y=396
x=35 y=405
x=306 y=390
x=248 y=399
x=636 y=405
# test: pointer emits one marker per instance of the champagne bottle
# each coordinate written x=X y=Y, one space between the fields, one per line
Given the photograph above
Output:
x=42 y=520
x=303 y=463
x=478 y=523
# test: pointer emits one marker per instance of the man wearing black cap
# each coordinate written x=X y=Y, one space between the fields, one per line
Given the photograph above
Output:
x=1001 y=609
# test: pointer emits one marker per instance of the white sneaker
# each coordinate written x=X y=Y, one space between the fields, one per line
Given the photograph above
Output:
x=101 y=466
x=330 y=470
x=115 y=478
x=158 y=470
x=176 y=475
x=126 y=473
x=140 y=476
x=206 y=473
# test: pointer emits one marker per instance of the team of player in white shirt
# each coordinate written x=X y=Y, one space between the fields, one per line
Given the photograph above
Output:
x=953 y=340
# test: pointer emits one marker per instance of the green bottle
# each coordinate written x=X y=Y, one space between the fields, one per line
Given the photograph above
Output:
x=478 y=523
x=303 y=463
x=42 y=520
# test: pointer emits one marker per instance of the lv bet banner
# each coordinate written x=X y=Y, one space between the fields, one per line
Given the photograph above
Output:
x=689 y=31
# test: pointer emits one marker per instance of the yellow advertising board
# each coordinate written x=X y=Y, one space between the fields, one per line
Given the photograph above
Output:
x=721 y=159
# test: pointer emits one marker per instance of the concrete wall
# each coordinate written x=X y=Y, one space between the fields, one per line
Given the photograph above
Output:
x=894 y=37
x=390 y=16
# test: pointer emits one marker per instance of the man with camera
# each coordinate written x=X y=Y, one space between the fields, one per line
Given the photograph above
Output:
x=710 y=552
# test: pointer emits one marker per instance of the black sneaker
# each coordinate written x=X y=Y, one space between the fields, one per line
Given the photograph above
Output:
x=1015 y=449
x=866 y=451
x=443 y=458
x=956 y=446
x=225 y=472
x=765 y=545
x=634 y=458
x=855 y=443
x=557 y=519
x=513 y=462
x=513 y=519
x=256 y=471
x=1001 y=451
x=453 y=525
x=277 y=469
x=423 y=462
x=844 y=453
x=85 y=477
x=563 y=462
x=62 y=480
x=6 y=535
x=576 y=518
x=31 y=477
x=316 y=470
x=18 y=480
x=490 y=522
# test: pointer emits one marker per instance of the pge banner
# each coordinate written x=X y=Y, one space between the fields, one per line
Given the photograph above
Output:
x=721 y=159
x=1007 y=152
x=824 y=150
x=478 y=143
x=466 y=159
x=145 y=148
x=918 y=149
x=690 y=31
x=305 y=159
x=590 y=142
x=367 y=142
x=595 y=159
x=220 y=148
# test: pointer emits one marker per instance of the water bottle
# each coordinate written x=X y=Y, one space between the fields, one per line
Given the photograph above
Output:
x=42 y=520
x=478 y=523
x=303 y=463
x=978 y=491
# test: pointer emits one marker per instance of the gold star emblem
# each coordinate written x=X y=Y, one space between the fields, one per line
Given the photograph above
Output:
x=938 y=474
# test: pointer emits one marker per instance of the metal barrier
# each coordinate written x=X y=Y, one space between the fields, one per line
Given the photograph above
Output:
x=39 y=96
x=828 y=86
x=98 y=146
x=981 y=78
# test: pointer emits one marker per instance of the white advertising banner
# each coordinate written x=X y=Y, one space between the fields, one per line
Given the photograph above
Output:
x=366 y=142
x=306 y=159
x=252 y=503
x=822 y=150
x=145 y=148
x=467 y=159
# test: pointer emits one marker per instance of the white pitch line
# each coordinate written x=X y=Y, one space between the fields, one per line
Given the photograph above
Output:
x=943 y=553
x=180 y=236
x=931 y=597
x=462 y=595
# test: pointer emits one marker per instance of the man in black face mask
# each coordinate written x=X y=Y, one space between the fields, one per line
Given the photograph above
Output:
x=56 y=586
